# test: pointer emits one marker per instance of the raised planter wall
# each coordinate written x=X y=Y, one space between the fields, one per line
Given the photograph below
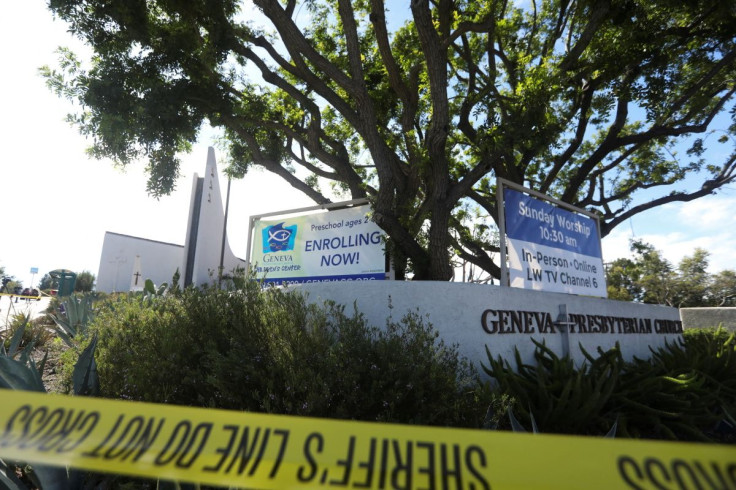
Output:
x=708 y=317
x=475 y=316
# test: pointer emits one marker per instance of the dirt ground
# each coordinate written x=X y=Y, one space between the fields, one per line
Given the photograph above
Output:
x=52 y=369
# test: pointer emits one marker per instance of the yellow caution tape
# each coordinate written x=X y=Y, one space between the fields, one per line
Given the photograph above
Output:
x=275 y=451
x=21 y=296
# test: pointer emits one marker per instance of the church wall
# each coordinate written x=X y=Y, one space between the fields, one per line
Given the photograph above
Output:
x=159 y=261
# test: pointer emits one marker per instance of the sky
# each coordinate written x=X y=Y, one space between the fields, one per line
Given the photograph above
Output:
x=58 y=203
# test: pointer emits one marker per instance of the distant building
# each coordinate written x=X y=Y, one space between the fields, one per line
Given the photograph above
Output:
x=198 y=260
x=159 y=261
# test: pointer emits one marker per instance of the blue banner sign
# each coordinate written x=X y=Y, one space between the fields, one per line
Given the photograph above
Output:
x=536 y=221
x=551 y=248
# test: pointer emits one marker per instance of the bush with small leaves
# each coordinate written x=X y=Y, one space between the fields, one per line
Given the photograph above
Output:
x=272 y=351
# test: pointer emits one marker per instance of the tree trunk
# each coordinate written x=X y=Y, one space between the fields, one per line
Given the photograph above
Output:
x=440 y=268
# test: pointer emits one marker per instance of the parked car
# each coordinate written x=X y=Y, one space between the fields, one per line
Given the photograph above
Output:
x=31 y=292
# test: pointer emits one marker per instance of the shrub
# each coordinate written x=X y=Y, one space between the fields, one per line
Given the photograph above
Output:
x=271 y=351
x=139 y=351
x=686 y=391
x=562 y=397
x=35 y=331
x=329 y=364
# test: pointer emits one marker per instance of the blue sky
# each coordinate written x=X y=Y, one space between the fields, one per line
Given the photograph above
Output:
x=58 y=203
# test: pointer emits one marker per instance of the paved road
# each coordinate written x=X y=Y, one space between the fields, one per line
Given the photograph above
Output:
x=8 y=308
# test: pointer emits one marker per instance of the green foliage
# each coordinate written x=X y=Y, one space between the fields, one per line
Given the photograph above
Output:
x=723 y=288
x=270 y=351
x=79 y=362
x=47 y=282
x=564 y=398
x=15 y=334
x=52 y=308
x=85 y=282
x=708 y=337
x=685 y=392
x=694 y=279
x=22 y=373
x=140 y=351
x=622 y=280
x=419 y=106
x=72 y=323
x=32 y=332
x=85 y=380
x=18 y=370
x=657 y=277
x=150 y=290
x=650 y=278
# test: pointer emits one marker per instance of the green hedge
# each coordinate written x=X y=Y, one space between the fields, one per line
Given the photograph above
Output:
x=270 y=351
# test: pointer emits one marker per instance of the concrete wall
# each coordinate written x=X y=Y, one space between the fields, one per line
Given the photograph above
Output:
x=479 y=316
x=708 y=317
x=159 y=261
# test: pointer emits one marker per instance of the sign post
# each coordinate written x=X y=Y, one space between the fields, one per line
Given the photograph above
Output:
x=552 y=246
x=34 y=271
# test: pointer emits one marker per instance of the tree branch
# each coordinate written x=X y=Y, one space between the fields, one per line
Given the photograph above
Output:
x=564 y=157
x=278 y=169
x=608 y=144
x=595 y=19
x=409 y=98
x=298 y=46
x=659 y=131
x=726 y=176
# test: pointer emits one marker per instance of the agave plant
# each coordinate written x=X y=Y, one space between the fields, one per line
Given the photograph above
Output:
x=18 y=371
x=517 y=427
x=565 y=397
x=72 y=327
x=74 y=322
x=150 y=289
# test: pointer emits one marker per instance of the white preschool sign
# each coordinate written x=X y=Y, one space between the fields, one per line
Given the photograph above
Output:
x=550 y=248
x=342 y=245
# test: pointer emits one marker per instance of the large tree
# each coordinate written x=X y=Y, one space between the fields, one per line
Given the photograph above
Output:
x=650 y=278
x=419 y=106
x=48 y=282
x=647 y=277
x=85 y=282
x=723 y=288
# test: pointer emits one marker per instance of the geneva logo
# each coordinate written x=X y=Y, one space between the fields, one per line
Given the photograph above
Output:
x=279 y=238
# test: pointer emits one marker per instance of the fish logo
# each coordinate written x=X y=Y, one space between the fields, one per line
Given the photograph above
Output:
x=279 y=238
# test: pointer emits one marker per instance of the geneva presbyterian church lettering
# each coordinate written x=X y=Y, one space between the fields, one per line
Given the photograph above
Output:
x=541 y=322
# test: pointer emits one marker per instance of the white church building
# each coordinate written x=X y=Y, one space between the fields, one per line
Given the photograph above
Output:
x=127 y=261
